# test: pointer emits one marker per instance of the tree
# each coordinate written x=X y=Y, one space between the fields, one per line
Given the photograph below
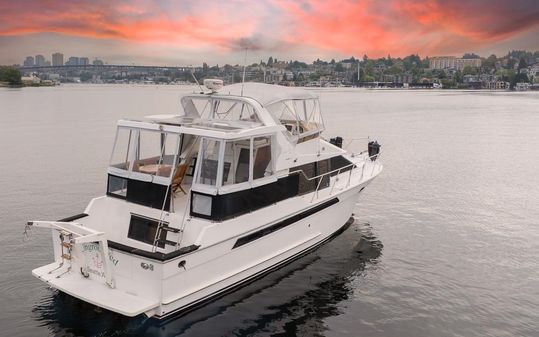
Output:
x=270 y=61
x=10 y=75
x=339 y=67
x=469 y=71
x=522 y=63
x=458 y=76
x=470 y=56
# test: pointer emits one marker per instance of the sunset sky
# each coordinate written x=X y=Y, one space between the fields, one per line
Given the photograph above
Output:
x=189 y=32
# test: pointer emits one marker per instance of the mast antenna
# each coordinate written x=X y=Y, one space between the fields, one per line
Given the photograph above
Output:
x=244 y=65
x=193 y=74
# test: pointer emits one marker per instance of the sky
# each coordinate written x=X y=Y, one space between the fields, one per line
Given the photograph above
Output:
x=189 y=32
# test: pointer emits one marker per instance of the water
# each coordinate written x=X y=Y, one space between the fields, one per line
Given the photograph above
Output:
x=445 y=242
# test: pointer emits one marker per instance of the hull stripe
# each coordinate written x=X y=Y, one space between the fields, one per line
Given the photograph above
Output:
x=216 y=295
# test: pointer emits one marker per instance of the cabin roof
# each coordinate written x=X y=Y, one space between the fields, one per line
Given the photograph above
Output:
x=266 y=94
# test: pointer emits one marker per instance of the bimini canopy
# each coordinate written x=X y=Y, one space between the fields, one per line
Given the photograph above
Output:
x=267 y=94
x=297 y=109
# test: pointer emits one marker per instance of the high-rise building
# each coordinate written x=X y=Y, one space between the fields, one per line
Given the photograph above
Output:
x=84 y=61
x=29 y=62
x=57 y=59
x=73 y=61
x=40 y=60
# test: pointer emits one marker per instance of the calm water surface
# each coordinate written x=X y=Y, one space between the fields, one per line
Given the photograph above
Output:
x=445 y=242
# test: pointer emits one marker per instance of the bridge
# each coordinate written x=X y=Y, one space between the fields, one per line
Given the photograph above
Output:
x=106 y=67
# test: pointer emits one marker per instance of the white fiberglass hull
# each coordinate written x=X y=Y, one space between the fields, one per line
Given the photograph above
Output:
x=255 y=259
x=264 y=240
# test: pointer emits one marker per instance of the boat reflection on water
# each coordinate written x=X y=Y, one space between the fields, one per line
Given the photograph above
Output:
x=292 y=300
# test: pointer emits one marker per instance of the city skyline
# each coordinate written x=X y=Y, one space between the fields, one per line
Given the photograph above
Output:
x=171 y=33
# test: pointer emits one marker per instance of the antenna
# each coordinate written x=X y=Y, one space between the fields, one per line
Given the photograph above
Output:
x=193 y=74
x=243 y=77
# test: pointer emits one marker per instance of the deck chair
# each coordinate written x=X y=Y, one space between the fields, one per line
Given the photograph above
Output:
x=181 y=170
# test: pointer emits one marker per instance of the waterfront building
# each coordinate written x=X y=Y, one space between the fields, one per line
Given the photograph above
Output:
x=29 y=62
x=84 y=61
x=452 y=62
x=463 y=63
x=57 y=59
x=442 y=62
x=40 y=60
x=73 y=61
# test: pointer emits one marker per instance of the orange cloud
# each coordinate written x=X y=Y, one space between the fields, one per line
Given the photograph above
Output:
x=338 y=26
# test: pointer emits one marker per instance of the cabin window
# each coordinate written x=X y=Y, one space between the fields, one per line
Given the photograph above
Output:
x=117 y=186
x=262 y=165
x=311 y=170
x=201 y=204
x=145 y=229
x=207 y=174
x=120 y=153
x=236 y=162
x=155 y=152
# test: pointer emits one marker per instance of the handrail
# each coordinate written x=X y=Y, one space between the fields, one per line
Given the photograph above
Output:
x=338 y=171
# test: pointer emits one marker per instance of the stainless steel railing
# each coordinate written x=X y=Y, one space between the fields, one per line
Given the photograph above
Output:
x=338 y=172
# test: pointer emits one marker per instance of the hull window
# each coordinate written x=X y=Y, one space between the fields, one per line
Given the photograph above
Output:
x=145 y=229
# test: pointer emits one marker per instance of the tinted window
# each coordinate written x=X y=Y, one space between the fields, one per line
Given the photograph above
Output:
x=117 y=186
x=144 y=230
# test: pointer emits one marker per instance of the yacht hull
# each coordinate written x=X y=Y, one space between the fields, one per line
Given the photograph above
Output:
x=259 y=257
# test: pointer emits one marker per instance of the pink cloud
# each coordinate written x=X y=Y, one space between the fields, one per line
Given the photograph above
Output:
x=346 y=27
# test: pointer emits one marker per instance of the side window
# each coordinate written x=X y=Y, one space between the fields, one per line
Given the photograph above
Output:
x=312 y=170
x=120 y=153
x=117 y=186
x=306 y=185
x=210 y=162
x=322 y=167
x=236 y=162
x=144 y=229
x=155 y=153
x=262 y=164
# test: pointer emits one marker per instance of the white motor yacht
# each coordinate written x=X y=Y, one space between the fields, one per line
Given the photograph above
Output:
x=200 y=203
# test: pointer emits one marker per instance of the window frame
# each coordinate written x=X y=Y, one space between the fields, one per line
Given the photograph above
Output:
x=219 y=188
x=134 y=152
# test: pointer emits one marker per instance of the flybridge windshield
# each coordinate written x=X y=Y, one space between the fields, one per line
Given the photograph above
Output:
x=301 y=117
x=214 y=108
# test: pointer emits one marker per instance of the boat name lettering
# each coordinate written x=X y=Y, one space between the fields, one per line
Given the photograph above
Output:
x=94 y=247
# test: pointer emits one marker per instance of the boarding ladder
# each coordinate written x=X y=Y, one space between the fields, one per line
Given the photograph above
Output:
x=72 y=234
